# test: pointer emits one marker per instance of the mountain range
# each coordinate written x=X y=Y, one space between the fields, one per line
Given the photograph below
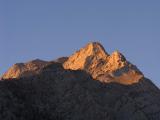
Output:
x=91 y=84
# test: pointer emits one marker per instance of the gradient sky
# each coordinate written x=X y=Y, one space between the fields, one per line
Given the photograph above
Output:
x=47 y=29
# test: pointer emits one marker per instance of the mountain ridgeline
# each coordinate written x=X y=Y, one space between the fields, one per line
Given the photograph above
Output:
x=91 y=84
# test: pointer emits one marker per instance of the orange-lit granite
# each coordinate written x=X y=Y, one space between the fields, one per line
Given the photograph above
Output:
x=93 y=59
x=102 y=66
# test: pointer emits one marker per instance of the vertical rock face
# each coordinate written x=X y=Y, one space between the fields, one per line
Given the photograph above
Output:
x=89 y=56
x=102 y=66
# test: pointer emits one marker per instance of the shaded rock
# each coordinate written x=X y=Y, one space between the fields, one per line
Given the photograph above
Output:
x=61 y=59
x=59 y=94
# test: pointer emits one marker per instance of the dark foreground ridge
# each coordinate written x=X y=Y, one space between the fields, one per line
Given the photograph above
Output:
x=58 y=94
x=55 y=93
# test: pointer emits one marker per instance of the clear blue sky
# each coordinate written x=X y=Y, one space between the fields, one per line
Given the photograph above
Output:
x=48 y=29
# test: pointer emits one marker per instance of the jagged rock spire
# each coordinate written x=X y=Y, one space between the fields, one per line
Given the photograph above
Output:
x=91 y=53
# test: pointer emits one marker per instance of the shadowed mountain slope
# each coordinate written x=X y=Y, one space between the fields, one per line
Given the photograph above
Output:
x=59 y=94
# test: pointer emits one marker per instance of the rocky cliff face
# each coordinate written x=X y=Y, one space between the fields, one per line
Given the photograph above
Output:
x=89 y=85
x=102 y=66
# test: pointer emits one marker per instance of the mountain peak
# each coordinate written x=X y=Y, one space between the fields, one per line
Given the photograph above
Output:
x=88 y=55
x=94 y=44
x=104 y=67
x=118 y=55
x=93 y=59
x=116 y=61
x=95 y=48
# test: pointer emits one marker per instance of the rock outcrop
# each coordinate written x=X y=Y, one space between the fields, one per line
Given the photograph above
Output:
x=28 y=69
x=102 y=66
x=93 y=59
x=21 y=70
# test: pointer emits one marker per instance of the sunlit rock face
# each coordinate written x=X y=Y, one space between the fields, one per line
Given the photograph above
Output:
x=20 y=70
x=89 y=56
x=93 y=59
x=102 y=66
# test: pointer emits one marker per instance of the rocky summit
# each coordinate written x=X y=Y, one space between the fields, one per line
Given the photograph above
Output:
x=91 y=84
x=102 y=66
x=93 y=59
x=19 y=70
